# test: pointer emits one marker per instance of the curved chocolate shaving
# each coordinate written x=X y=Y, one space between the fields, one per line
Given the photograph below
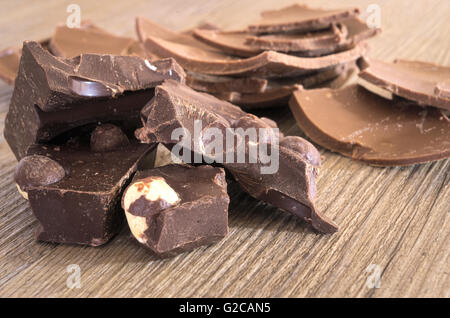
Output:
x=363 y=126
x=413 y=80
x=300 y=18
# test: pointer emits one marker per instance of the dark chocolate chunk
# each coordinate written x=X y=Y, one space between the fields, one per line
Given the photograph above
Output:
x=291 y=187
x=300 y=18
x=176 y=208
x=35 y=171
x=108 y=137
x=417 y=81
x=196 y=56
x=84 y=206
x=54 y=95
x=363 y=126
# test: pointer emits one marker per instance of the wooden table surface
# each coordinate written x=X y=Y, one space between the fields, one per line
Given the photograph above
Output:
x=393 y=221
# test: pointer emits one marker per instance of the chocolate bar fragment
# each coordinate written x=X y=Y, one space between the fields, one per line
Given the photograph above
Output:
x=71 y=42
x=292 y=188
x=177 y=106
x=176 y=208
x=196 y=56
x=300 y=18
x=75 y=192
x=53 y=95
x=420 y=82
x=340 y=37
x=361 y=125
x=311 y=43
x=217 y=84
x=278 y=91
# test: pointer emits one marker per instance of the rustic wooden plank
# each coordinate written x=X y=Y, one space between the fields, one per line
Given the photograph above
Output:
x=394 y=218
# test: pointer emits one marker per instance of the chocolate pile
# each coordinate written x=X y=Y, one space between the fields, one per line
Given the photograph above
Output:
x=263 y=64
x=91 y=112
x=84 y=124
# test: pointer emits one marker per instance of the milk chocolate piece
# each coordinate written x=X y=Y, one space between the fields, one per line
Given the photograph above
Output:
x=291 y=188
x=311 y=43
x=231 y=42
x=300 y=18
x=347 y=35
x=54 y=95
x=195 y=56
x=279 y=91
x=176 y=208
x=413 y=80
x=10 y=57
x=71 y=42
x=35 y=171
x=217 y=84
x=272 y=97
x=366 y=127
x=83 y=207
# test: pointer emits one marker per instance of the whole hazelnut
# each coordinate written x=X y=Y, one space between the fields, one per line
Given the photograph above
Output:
x=37 y=170
x=107 y=137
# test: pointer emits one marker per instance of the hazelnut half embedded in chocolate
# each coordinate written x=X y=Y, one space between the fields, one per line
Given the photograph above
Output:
x=108 y=137
x=149 y=194
x=37 y=170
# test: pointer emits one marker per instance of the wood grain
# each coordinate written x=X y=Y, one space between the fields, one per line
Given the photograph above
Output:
x=395 y=218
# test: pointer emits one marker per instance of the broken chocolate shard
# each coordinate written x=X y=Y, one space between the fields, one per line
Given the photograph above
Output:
x=83 y=207
x=340 y=37
x=217 y=84
x=71 y=42
x=363 y=126
x=108 y=137
x=176 y=208
x=35 y=171
x=300 y=18
x=311 y=43
x=413 y=80
x=279 y=91
x=231 y=42
x=54 y=95
x=195 y=56
x=293 y=187
x=178 y=106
